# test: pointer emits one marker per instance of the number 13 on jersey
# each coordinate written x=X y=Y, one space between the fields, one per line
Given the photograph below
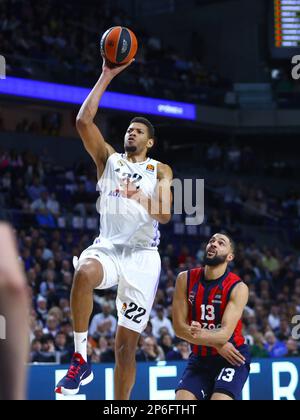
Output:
x=207 y=313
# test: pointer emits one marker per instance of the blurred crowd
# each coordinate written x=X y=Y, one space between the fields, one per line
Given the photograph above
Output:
x=272 y=276
x=243 y=160
x=60 y=41
x=45 y=194
x=49 y=124
x=54 y=212
x=259 y=203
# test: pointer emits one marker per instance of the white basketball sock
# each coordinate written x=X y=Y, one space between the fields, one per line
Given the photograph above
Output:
x=80 y=341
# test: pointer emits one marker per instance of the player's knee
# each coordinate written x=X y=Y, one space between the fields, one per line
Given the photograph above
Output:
x=17 y=289
x=88 y=275
x=125 y=354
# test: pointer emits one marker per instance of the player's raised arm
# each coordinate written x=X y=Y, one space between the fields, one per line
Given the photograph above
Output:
x=89 y=132
x=231 y=317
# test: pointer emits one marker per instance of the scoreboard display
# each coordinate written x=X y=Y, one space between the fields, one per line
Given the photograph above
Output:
x=285 y=28
x=287 y=23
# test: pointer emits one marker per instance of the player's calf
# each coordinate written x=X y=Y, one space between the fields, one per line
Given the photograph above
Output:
x=125 y=371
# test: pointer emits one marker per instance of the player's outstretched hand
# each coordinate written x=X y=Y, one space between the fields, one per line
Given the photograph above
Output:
x=231 y=354
x=112 y=70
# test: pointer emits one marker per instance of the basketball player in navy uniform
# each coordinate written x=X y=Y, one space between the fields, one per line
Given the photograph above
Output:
x=136 y=196
x=207 y=310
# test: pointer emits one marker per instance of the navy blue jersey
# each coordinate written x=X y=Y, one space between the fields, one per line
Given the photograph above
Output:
x=207 y=303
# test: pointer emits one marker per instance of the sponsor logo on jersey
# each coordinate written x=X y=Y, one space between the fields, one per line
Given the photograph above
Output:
x=121 y=163
x=150 y=168
x=115 y=193
x=207 y=326
x=124 y=307
x=192 y=297
x=218 y=299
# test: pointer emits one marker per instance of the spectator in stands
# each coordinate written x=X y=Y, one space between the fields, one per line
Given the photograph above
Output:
x=91 y=354
x=103 y=323
x=63 y=289
x=67 y=329
x=170 y=254
x=274 y=318
x=46 y=205
x=62 y=348
x=284 y=331
x=166 y=343
x=102 y=346
x=36 y=189
x=293 y=348
x=184 y=255
x=148 y=331
x=48 y=286
x=46 y=354
x=150 y=351
x=270 y=262
x=181 y=351
x=161 y=321
x=35 y=348
x=42 y=310
x=257 y=349
x=274 y=347
x=51 y=328
x=108 y=356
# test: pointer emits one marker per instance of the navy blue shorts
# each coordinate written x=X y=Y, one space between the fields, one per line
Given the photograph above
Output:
x=205 y=376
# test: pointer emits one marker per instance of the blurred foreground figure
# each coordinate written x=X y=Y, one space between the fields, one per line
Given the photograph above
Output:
x=13 y=319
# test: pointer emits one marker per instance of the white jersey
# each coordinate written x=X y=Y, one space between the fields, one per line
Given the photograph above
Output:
x=124 y=221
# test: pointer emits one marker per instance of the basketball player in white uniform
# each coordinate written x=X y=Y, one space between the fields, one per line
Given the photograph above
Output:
x=135 y=196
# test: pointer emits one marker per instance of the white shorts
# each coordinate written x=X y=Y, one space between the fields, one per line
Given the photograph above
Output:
x=136 y=271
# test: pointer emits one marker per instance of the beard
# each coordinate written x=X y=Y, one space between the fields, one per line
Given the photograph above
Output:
x=215 y=261
x=130 y=149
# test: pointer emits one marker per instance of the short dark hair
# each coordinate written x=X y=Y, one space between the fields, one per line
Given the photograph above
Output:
x=46 y=338
x=147 y=123
x=229 y=237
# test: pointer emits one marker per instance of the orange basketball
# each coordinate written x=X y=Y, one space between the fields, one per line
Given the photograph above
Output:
x=119 y=45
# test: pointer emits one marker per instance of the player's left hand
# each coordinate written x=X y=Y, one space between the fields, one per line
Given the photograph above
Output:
x=231 y=354
x=112 y=70
x=196 y=329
